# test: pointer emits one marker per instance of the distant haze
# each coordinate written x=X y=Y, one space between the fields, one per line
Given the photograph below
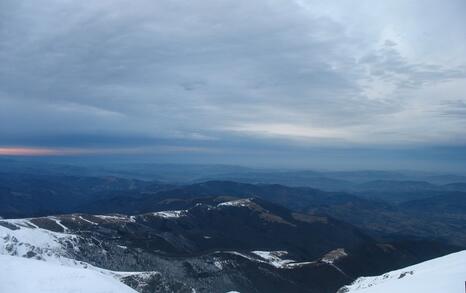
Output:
x=279 y=83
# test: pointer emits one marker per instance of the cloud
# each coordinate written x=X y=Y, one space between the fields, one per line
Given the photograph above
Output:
x=453 y=109
x=231 y=73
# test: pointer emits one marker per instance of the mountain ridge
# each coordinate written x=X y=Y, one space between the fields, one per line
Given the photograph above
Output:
x=223 y=246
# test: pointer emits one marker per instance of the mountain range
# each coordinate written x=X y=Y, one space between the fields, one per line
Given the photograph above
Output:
x=158 y=234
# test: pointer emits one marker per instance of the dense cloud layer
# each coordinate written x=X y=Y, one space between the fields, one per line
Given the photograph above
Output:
x=232 y=76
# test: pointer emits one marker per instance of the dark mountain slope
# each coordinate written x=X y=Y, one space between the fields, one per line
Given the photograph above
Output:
x=25 y=195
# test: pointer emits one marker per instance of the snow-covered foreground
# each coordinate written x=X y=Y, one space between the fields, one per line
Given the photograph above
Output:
x=34 y=276
x=444 y=274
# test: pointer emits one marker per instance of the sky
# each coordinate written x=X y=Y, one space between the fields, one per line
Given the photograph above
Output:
x=293 y=83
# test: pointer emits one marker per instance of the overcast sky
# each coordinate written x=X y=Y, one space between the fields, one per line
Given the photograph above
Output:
x=291 y=83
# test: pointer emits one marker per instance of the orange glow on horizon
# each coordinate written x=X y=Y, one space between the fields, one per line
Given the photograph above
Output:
x=25 y=151
x=38 y=151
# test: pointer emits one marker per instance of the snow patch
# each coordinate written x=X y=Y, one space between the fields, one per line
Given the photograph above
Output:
x=86 y=220
x=237 y=203
x=116 y=218
x=218 y=264
x=334 y=255
x=170 y=214
x=65 y=229
x=274 y=257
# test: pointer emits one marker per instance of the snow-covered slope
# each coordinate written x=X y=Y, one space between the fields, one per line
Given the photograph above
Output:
x=32 y=253
x=34 y=276
x=444 y=274
x=23 y=238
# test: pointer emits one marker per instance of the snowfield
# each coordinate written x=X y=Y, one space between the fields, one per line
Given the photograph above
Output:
x=445 y=274
x=34 y=276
